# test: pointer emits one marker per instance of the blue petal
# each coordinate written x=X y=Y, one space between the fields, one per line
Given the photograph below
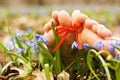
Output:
x=19 y=35
x=9 y=47
x=12 y=40
x=36 y=48
x=45 y=40
x=102 y=70
x=116 y=57
x=41 y=38
x=117 y=43
x=28 y=31
x=37 y=36
x=111 y=48
x=30 y=43
x=74 y=45
x=99 y=45
x=20 y=50
x=86 y=46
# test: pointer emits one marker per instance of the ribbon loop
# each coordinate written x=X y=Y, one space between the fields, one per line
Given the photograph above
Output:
x=65 y=31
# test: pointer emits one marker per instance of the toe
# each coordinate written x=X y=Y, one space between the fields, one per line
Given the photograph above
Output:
x=78 y=17
x=103 y=32
x=64 y=19
x=94 y=28
x=50 y=36
x=75 y=15
x=55 y=15
x=89 y=23
x=48 y=25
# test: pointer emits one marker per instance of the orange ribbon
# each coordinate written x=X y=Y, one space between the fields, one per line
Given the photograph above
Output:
x=65 y=31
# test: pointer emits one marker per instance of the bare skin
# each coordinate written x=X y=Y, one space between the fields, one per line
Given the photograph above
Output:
x=91 y=32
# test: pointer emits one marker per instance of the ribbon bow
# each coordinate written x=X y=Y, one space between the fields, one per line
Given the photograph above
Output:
x=65 y=31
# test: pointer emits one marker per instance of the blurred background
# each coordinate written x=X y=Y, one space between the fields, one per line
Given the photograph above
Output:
x=56 y=2
x=33 y=14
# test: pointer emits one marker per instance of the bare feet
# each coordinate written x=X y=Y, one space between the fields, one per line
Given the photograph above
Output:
x=92 y=33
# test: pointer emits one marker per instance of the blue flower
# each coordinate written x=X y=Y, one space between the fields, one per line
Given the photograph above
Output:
x=111 y=48
x=12 y=40
x=20 y=50
x=41 y=38
x=45 y=40
x=28 y=31
x=116 y=57
x=117 y=43
x=30 y=43
x=86 y=46
x=99 y=45
x=19 y=35
x=102 y=70
x=74 y=45
x=9 y=47
x=36 y=47
x=26 y=11
x=37 y=36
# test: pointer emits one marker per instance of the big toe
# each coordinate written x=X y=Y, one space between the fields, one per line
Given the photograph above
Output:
x=55 y=15
x=78 y=17
x=64 y=19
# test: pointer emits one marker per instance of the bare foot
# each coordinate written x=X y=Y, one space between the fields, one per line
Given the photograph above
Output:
x=99 y=29
x=60 y=19
x=92 y=33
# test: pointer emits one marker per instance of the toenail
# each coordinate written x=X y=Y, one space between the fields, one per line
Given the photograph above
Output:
x=86 y=46
x=99 y=45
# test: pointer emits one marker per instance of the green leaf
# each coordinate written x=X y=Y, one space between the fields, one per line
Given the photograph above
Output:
x=29 y=54
x=47 y=71
x=117 y=47
x=90 y=65
x=29 y=35
x=0 y=69
x=28 y=69
x=2 y=46
x=118 y=71
x=18 y=42
x=17 y=56
x=6 y=66
x=5 y=50
x=101 y=59
x=57 y=53
x=47 y=53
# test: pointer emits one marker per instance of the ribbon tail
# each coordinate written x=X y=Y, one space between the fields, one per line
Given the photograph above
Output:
x=78 y=41
x=61 y=41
